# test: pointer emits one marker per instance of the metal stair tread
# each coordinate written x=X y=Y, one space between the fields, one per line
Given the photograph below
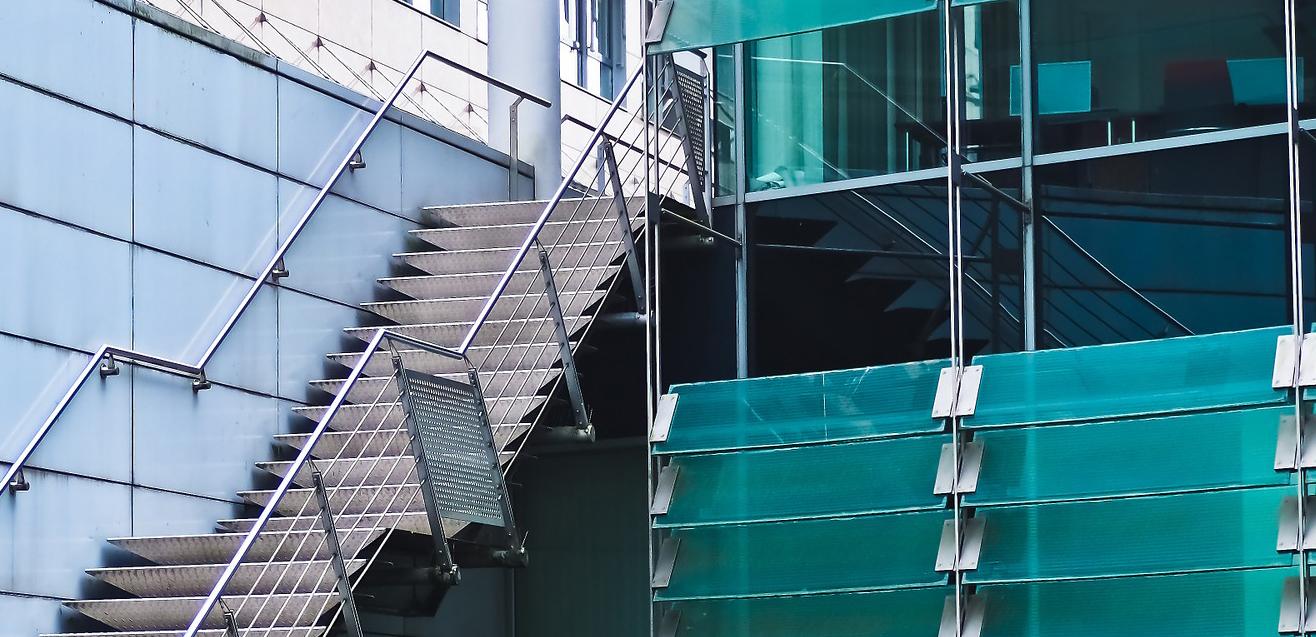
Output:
x=484 y=259
x=501 y=357
x=509 y=306
x=503 y=411
x=367 y=388
x=436 y=286
x=309 y=631
x=166 y=613
x=455 y=331
x=509 y=211
x=415 y=521
x=511 y=235
x=218 y=548
x=390 y=441
x=198 y=579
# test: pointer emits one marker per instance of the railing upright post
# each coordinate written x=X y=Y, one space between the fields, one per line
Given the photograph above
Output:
x=513 y=149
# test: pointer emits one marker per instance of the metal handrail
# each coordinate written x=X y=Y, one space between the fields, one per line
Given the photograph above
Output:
x=273 y=269
x=552 y=204
x=286 y=483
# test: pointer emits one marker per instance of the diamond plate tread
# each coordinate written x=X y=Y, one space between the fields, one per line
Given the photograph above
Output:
x=386 y=442
x=175 y=613
x=510 y=306
x=385 y=499
x=508 y=212
x=499 y=358
x=219 y=548
x=535 y=330
x=512 y=235
x=475 y=261
x=482 y=284
x=260 y=578
x=367 y=388
x=310 y=631
x=352 y=472
x=415 y=521
x=502 y=411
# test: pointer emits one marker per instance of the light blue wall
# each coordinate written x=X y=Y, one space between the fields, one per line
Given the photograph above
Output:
x=150 y=171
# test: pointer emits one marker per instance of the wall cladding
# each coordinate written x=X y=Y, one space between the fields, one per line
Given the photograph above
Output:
x=153 y=168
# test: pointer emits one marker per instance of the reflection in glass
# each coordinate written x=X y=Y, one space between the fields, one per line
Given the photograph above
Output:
x=724 y=120
x=861 y=277
x=1117 y=71
x=868 y=99
x=1163 y=244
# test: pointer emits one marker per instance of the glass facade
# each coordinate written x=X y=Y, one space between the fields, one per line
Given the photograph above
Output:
x=1108 y=231
x=1132 y=184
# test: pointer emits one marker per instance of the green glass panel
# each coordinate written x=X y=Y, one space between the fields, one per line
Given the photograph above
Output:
x=1130 y=457
x=1163 y=534
x=804 y=408
x=1224 y=604
x=1128 y=379
x=697 y=24
x=802 y=482
x=902 y=613
x=813 y=556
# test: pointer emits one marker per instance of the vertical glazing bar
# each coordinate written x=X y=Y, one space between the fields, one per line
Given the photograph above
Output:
x=742 y=219
x=951 y=55
x=1026 y=126
x=1295 y=278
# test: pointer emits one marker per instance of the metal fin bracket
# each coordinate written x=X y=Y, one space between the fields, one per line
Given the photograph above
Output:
x=970 y=467
x=1295 y=367
x=957 y=392
x=970 y=550
x=662 y=495
x=662 y=419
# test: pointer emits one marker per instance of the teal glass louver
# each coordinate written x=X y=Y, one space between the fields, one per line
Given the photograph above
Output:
x=1210 y=450
x=901 y=613
x=1222 y=604
x=803 y=482
x=808 y=408
x=1158 y=534
x=813 y=556
x=1128 y=379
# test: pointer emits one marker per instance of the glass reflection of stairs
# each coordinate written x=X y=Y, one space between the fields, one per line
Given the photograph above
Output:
x=1124 y=489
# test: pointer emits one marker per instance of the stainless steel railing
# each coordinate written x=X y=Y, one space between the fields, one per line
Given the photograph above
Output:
x=105 y=357
x=614 y=192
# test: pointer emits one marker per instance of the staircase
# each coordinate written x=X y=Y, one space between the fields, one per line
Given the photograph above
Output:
x=497 y=299
x=366 y=453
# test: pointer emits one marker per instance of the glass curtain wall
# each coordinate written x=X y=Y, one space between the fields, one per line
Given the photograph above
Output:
x=1156 y=165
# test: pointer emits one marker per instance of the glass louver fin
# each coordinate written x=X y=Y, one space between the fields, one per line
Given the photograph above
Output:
x=813 y=556
x=802 y=482
x=1130 y=457
x=901 y=613
x=1159 y=534
x=805 y=408
x=697 y=24
x=1220 y=604
x=1128 y=379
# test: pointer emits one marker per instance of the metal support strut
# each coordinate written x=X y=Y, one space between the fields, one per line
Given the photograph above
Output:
x=624 y=225
x=336 y=554
x=584 y=430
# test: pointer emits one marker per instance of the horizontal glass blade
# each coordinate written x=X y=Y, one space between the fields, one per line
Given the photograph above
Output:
x=801 y=482
x=813 y=556
x=1130 y=457
x=1157 y=534
x=1128 y=379
x=804 y=408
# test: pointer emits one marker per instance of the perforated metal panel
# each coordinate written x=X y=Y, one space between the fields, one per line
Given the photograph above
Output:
x=462 y=474
x=690 y=85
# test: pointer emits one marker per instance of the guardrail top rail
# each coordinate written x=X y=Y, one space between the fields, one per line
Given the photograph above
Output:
x=105 y=357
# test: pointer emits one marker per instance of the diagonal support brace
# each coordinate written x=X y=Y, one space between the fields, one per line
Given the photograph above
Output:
x=564 y=347
x=350 y=615
x=624 y=225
